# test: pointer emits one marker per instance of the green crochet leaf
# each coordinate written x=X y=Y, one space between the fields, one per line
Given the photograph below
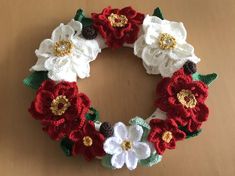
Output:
x=80 y=16
x=152 y=160
x=66 y=145
x=35 y=79
x=106 y=161
x=92 y=115
x=207 y=79
x=188 y=133
x=86 y=22
x=141 y=122
x=157 y=12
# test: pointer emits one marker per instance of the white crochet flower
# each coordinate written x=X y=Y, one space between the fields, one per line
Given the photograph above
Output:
x=125 y=146
x=163 y=46
x=66 y=55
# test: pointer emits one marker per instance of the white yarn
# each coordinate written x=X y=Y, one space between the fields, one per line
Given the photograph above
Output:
x=76 y=64
x=138 y=151
x=157 y=60
x=71 y=66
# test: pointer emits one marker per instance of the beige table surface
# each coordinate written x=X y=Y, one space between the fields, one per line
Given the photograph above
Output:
x=118 y=87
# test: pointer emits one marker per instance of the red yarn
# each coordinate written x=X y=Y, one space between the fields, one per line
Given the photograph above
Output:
x=115 y=37
x=158 y=128
x=96 y=147
x=59 y=126
x=168 y=101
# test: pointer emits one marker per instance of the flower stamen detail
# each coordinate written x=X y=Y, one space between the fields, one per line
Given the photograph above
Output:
x=87 y=141
x=166 y=41
x=187 y=98
x=126 y=145
x=117 y=20
x=167 y=136
x=59 y=105
x=63 y=48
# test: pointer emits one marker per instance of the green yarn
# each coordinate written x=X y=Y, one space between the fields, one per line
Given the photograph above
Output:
x=93 y=115
x=106 y=161
x=152 y=160
x=66 y=145
x=157 y=12
x=80 y=16
x=141 y=122
x=35 y=79
x=207 y=79
x=188 y=133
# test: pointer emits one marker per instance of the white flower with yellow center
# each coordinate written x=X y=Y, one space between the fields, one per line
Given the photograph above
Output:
x=126 y=147
x=163 y=46
x=66 y=55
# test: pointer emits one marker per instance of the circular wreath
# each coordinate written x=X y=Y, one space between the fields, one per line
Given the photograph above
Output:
x=66 y=114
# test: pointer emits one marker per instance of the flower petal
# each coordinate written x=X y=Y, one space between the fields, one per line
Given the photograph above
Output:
x=166 y=67
x=151 y=37
x=139 y=46
x=135 y=133
x=131 y=160
x=118 y=160
x=182 y=51
x=113 y=145
x=45 y=48
x=88 y=49
x=60 y=69
x=65 y=74
x=76 y=25
x=75 y=135
x=62 y=32
x=39 y=66
x=178 y=30
x=142 y=150
x=81 y=67
x=151 y=21
x=151 y=69
x=120 y=131
x=152 y=56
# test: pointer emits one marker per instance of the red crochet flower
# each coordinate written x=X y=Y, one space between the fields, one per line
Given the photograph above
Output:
x=183 y=99
x=118 y=26
x=164 y=134
x=87 y=141
x=59 y=107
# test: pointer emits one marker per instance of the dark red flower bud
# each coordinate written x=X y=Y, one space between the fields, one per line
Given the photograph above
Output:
x=106 y=129
x=89 y=32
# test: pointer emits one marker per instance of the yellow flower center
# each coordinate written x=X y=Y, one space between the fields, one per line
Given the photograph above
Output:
x=117 y=20
x=59 y=105
x=126 y=145
x=63 y=48
x=87 y=141
x=166 y=41
x=167 y=136
x=186 y=98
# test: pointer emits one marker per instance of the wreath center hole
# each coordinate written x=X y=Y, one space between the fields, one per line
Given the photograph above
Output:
x=119 y=87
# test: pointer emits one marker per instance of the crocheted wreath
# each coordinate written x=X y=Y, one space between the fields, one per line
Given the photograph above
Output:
x=66 y=114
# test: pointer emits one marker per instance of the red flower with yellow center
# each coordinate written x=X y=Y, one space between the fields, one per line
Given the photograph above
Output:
x=164 y=134
x=183 y=99
x=118 y=26
x=59 y=107
x=87 y=141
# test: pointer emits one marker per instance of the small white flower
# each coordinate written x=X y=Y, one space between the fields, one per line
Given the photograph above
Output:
x=125 y=146
x=163 y=46
x=66 y=55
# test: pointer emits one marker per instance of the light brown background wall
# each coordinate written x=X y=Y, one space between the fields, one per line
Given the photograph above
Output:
x=118 y=87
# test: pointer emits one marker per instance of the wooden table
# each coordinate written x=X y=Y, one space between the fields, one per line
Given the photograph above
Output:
x=118 y=87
